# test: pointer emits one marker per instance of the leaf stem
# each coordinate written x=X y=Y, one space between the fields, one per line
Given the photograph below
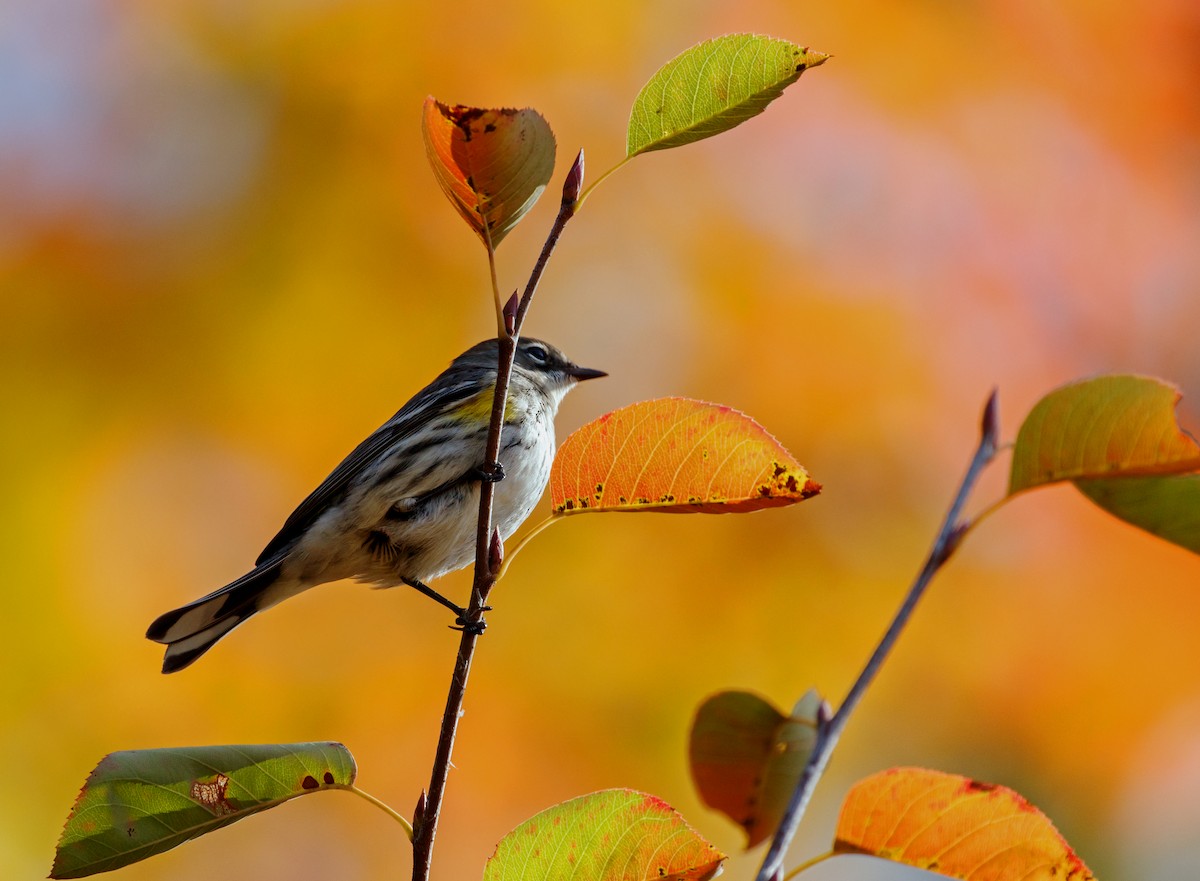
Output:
x=807 y=864
x=600 y=180
x=491 y=254
x=387 y=809
x=829 y=728
x=485 y=576
x=511 y=555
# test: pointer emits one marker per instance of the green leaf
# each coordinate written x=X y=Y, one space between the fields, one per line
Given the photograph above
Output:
x=605 y=836
x=141 y=802
x=1109 y=427
x=1168 y=507
x=713 y=87
x=747 y=757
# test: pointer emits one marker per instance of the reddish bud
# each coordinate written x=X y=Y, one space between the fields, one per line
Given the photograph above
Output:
x=419 y=812
x=495 y=552
x=990 y=427
x=510 y=314
x=573 y=185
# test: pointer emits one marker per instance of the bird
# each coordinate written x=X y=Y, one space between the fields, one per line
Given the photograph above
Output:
x=403 y=506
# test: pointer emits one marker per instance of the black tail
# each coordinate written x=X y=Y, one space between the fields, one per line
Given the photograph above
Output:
x=190 y=631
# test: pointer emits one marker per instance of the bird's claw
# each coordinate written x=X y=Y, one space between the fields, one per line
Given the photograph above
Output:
x=489 y=472
x=475 y=627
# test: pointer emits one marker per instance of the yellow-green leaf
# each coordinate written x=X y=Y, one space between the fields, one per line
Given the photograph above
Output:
x=139 y=803
x=712 y=87
x=747 y=757
x=613 y=835
x=1168 y=507
x=492 y=164
x=1107 y=427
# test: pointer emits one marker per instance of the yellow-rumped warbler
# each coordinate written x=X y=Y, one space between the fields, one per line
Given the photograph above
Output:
x=403 y=507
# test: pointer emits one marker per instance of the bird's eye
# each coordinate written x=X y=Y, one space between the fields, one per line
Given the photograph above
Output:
x=538 y=354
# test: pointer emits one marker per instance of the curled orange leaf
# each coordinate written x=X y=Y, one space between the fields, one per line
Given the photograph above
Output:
x=492 y=164
x=954 y=826
x=747 y=756
x=675 y=455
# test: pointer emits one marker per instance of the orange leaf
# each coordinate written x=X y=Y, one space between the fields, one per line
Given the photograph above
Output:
x=491 y=164
x=675 y=455
x=747 y=757
x=955 y=826
x=1110 y=426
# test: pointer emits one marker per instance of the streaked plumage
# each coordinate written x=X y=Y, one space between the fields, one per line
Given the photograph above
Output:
x=402 y=507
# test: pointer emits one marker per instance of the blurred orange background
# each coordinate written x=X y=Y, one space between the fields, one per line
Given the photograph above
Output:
x=224 y=262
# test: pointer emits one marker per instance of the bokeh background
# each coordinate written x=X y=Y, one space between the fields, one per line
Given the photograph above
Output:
x=224 y=261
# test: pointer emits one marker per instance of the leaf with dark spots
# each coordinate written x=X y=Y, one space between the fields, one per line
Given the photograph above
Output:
x=713 y=87
x=954 y=826
x=142 y=802
x=654 y=455
x=492 y=164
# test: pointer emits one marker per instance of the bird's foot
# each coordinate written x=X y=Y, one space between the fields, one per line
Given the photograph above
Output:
x=488 y=472
x=473 y=626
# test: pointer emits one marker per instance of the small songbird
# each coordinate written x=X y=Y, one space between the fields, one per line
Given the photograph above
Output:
x=403 y=507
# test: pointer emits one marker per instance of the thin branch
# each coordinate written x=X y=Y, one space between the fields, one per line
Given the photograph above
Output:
x=829 y=728
x=487 y=548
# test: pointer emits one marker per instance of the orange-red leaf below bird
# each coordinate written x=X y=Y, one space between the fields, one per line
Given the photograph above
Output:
x=675 y=455
x=954 y=826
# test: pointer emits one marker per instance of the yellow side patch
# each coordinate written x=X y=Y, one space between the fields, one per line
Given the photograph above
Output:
x=478 y=407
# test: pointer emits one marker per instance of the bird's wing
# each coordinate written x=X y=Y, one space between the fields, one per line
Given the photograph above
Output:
x=417 y=413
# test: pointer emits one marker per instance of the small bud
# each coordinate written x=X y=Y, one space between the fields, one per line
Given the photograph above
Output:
x=510 y=314
x=495 y=552
x=573 y=185
x=419 y=812
x=990 y=428
x=953 y=539
x=824 y=714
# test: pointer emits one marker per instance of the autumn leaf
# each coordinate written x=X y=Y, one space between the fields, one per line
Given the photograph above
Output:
x=606 y=836
x=492 y=164
x=139 y=803
x=954 y=826
x=747 y=757
x=675 y=455
x=1107 y=427
x=713 y=87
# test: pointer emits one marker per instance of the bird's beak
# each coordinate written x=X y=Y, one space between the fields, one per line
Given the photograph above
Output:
x=579 y=374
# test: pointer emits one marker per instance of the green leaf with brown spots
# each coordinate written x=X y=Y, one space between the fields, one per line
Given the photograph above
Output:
x=747 y=757
x=712 y=87
x=139 y=803
x=675 y=455
x=613 y=835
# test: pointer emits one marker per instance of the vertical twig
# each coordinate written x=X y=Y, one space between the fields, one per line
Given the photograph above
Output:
x=488 y=552
x=829 y=728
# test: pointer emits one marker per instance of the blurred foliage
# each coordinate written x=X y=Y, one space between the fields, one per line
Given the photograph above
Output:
x=224 y=261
